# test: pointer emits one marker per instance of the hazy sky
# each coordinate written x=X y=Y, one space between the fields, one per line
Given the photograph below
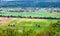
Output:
x=34 y=0
x=17 y=0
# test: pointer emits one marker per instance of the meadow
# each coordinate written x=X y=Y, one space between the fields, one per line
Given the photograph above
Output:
x=29 y=27
x=27 y=24
x=32 y=14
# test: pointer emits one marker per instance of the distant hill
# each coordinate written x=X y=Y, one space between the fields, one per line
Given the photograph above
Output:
x=28 y=4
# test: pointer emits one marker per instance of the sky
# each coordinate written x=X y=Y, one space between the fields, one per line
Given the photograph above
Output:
x=34 y=0
x=17 y=0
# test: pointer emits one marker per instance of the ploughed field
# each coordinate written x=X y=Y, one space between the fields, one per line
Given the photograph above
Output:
x=25 y=23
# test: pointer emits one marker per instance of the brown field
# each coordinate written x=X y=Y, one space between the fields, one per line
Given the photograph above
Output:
x=4 y=20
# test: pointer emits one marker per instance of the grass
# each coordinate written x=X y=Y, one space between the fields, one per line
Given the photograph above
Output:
x=33 y=14
x=27 y=24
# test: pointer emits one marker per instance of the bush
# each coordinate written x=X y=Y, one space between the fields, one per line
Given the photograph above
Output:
x=9 y=32
x=54 y=29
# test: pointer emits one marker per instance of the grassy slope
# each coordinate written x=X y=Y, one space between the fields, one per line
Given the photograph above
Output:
x=28 y=24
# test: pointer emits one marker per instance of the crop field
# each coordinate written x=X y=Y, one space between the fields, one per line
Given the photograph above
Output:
x=25 y=23
x=32 y=14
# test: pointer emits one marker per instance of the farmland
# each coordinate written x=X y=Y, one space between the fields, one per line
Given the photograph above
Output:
x=28 y=23
x=29 y=26
x=24 y=26
x=32 y=14
x=29 y=18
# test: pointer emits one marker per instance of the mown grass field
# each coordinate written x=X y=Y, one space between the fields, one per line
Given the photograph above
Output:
x=27 y=24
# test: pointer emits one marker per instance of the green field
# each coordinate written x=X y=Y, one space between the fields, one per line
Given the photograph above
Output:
x=29 y=27
x=27 y=24
x=32 y=14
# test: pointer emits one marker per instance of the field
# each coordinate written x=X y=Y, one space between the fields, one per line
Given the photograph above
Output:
x=25 y=23
x=29 y=27
x=32 y=14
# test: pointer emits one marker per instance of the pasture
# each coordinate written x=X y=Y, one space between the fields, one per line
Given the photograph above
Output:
x=32 y=14
x=26 y=23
